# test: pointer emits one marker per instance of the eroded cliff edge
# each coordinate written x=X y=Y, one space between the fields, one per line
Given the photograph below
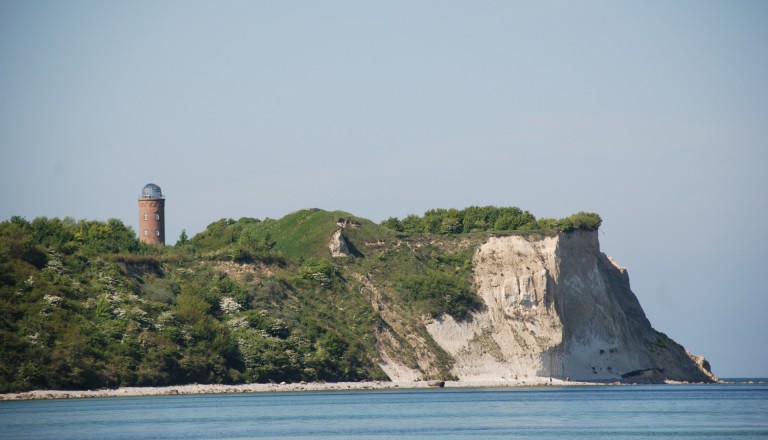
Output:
x=558 y=307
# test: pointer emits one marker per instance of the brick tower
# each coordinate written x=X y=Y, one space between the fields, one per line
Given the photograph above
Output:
x=152 y=215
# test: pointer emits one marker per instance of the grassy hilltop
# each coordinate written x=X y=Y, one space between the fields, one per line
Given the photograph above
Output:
x=83 y=304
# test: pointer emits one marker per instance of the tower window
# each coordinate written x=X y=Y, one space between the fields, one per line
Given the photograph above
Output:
x=157 y=216
x=157 y=232
x=145 y=216
x=146 y=232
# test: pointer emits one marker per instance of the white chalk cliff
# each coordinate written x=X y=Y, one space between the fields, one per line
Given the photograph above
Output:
x=558 y=307
x=338 y=245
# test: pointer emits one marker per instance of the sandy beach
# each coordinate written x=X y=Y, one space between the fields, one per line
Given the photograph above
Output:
x=281 y=387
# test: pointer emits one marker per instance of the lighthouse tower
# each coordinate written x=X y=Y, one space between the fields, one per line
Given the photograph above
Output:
x=152 y=215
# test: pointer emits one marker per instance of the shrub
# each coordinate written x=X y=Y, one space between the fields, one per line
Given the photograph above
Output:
x=442 y=294
x=588 y=221
x=488 y=218
x=319 y=271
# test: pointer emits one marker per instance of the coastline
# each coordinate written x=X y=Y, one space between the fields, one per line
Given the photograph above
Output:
x=281 y=388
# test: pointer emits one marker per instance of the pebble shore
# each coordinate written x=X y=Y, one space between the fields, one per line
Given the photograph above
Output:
x=272 y=388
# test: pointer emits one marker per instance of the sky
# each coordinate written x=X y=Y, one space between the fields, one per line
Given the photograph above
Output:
x=653 y=114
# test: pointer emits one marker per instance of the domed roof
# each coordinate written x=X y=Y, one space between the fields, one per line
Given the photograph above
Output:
x=151 y=191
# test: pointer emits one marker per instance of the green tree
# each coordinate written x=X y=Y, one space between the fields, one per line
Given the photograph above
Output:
x=583 y=220
x=183 y=238
x=191 y=308
x=393 y=223
x=412 y=224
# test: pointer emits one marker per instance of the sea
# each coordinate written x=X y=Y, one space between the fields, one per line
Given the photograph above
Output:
x=718 y=411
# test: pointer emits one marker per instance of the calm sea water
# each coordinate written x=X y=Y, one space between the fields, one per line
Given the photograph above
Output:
x=615 y=412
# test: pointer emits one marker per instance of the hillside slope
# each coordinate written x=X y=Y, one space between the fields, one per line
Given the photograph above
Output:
x=84 y=305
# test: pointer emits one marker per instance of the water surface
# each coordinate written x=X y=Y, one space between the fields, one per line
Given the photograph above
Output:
x=627 y=412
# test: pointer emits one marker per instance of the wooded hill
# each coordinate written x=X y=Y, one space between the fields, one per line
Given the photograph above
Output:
x=84 y=305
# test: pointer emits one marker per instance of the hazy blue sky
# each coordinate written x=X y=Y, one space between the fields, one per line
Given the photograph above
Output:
x=652 y=113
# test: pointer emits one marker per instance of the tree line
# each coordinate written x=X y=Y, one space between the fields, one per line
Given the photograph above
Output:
x=488 y=219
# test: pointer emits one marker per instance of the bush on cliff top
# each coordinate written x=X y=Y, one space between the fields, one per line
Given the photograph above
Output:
x=488 y=219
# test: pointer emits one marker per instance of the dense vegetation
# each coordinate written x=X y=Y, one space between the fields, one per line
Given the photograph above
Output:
x=83 y=304
x=488 y=218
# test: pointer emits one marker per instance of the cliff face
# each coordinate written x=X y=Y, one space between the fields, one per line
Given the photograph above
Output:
x=260 y=301
x=558 y=307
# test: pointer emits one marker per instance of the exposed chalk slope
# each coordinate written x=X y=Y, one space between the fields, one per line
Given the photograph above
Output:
x=557 y=306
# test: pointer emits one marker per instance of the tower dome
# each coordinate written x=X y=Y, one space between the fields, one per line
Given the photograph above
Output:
x=151 y=191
